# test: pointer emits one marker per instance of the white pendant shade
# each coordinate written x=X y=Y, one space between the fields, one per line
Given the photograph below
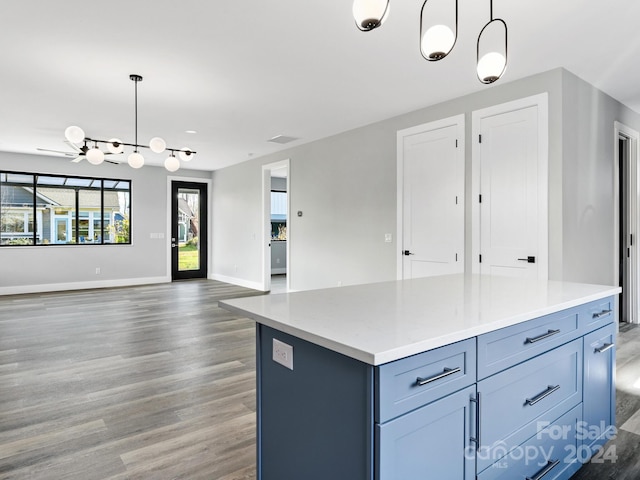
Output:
x=172 y=163
x=370 y=14
x=491 y=67
x=185 y=154
x=157 y=145
x=74 y=134
x=437 y=42
x=135 y=160
x=112 y=148
x=95 y=156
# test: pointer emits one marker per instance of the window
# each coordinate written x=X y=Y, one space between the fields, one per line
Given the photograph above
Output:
x=60 y=210
x=278 y=215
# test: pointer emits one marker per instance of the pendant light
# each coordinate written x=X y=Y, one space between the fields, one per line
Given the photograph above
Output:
x=370 y=14
x=492 y=59
x=437 y=37
x=95 y=156
x=76 y=135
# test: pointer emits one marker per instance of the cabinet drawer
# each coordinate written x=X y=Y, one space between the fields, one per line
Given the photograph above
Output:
x=512 y=402
x=509 y=346
x=554 y=448
x=598 y=314
x=412 y=382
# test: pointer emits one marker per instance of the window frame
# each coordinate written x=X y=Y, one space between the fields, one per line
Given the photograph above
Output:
x=77 y=183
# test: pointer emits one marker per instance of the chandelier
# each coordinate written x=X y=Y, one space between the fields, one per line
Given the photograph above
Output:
x=439 y=33
x=115 y=146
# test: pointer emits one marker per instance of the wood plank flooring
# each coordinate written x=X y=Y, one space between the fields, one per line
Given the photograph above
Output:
x=150 y=382
x=158 y=382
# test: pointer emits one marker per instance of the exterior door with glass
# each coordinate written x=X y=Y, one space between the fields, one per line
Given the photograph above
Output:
x=189 y=230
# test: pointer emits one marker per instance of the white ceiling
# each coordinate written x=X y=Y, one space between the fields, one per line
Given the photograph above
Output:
x=242 y=71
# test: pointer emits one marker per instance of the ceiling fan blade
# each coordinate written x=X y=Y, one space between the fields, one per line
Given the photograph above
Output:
x=68 y=154
x=74 y=146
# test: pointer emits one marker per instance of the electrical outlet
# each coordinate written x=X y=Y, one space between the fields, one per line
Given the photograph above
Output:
x=283 y=354
x=388 y=238
x=98 y=271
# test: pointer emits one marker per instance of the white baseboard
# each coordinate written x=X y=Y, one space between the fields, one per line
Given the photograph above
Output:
x=59 y=287
x=237 y=281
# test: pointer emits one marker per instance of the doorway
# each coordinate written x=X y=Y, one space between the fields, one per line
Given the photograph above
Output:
x=276 y=221
x=189 y=251
x=626 y=261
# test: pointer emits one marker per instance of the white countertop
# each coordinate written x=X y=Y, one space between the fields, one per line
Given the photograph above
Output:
x=381 y=322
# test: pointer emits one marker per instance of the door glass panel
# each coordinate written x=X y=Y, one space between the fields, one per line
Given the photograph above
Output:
x=188 y=229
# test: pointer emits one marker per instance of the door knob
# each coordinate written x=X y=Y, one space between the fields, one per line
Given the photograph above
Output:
x=407 y=252
x=528 y=259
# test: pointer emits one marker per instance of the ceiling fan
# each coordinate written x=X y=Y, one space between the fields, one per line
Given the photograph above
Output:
x=79 y=154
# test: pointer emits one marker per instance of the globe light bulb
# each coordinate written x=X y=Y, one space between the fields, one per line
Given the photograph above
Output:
x=437 y=42
x=185 y=154
x=157 y=145
x=112 y=148
x=370 y=14
x=135 y=160
x=491 y=67
x=74 y=134
x=172 y=163
x=95 y=156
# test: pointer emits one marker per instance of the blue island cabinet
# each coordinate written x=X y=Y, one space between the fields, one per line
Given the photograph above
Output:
x=532 y=400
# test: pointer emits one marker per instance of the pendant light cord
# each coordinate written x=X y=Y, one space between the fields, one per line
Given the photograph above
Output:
x=136 y=116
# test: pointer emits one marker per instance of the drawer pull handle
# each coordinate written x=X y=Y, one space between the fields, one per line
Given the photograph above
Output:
x=601 y=314
x=540 y=396
x=549 y=333
x=551 y=464
x=605 y=347
x=447 y=371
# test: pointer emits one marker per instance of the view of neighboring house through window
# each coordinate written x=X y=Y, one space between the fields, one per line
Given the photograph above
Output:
x=54 y=209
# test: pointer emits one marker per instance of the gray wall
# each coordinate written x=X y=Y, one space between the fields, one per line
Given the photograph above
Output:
x=588 y=180
x=53 y=267
x=345 y=186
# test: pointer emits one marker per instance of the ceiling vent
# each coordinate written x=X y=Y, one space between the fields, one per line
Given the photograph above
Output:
x=282 y=139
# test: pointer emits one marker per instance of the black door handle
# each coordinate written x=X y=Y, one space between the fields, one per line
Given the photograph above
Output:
x=407 y=252
x=528 y=259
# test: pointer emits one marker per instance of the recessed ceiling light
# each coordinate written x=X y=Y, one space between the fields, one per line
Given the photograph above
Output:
x=190 y=131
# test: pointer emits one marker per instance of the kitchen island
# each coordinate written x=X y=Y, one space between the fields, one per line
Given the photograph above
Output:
x=447 y=377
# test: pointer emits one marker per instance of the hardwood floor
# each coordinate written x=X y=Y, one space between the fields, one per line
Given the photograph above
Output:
x=158 y=382
x=150 y=382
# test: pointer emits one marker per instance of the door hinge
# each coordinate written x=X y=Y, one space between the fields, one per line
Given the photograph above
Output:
x=480 y=198
x=456 y=199
x=480 y=258
x=456 y=257
x=479 y=138
x=631 y=240
x=456 y=143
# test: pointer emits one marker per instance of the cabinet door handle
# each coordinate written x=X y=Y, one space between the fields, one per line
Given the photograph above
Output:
x=551 y=464
x=601 y=314
x=540 y=396
x=476 y=439
x=550 y=333
x=447 y=371
x=605 y=347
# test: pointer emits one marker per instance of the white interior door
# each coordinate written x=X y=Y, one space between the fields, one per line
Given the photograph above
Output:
x=512 y=212
x=433 y=199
